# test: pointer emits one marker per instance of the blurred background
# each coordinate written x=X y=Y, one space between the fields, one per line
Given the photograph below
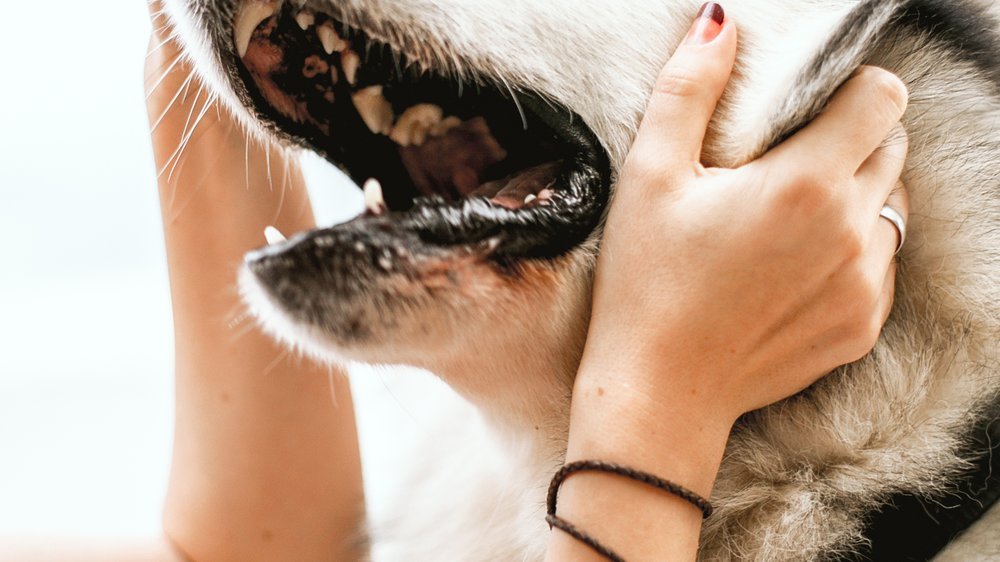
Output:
x=86 y=358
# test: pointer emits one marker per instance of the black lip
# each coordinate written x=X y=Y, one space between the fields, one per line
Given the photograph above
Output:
x=537 y=231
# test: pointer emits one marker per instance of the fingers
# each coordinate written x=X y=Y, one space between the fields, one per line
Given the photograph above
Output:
x=887 y=237
x=855 y=123
x=687 y=92
x=888 y=296
x=879 y=175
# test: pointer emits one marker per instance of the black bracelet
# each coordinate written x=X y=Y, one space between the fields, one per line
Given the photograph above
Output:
x=573 y=531
x=621 y=470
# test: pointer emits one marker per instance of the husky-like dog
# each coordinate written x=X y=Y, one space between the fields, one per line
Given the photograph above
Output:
x=494 y=130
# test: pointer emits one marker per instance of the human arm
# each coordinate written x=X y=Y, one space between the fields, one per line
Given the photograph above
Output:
x=266 y=463
x=721 y=291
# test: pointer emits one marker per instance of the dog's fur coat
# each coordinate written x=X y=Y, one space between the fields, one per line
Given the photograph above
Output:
x=800 y=477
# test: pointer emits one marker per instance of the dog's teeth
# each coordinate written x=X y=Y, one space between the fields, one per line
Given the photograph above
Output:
x=350 y=61
x=247 y=20
x=334 y=75
x=373 y=197
x=329 y=38
x=415 y=123
x=273 y=236
x=374 y=109
x=305 y=19
x=445 y=125
x=531 y=197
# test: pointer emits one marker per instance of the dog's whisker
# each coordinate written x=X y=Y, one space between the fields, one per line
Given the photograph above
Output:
x=166 y=72
x=205 y=110
x=190 y=77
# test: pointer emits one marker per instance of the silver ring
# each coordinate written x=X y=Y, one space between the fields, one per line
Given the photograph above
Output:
x=893 y=216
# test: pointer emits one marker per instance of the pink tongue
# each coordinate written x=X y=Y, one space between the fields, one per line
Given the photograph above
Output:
x=532 y=181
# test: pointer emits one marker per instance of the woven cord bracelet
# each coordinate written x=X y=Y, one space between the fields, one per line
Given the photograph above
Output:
x=621 y=470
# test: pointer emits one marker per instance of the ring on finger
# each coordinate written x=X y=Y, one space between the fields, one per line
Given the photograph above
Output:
x=897 y=220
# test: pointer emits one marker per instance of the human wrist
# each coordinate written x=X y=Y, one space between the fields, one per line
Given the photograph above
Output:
x=675 y=432
x=677 y=439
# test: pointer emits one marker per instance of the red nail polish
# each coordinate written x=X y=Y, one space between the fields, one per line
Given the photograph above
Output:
x=708 y=24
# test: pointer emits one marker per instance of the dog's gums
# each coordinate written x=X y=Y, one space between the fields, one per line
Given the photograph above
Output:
x=456 y=162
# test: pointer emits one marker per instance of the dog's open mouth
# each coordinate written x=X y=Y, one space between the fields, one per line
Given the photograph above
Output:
x=456 y=162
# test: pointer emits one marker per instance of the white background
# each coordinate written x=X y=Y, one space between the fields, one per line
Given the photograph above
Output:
x=85 y=332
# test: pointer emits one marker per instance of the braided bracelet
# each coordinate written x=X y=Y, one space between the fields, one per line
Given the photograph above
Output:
x=621 y=470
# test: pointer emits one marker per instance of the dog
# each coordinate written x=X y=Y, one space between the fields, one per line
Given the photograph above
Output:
x=488 y=136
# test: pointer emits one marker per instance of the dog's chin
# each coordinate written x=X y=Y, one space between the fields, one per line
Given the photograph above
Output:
x=452 y=317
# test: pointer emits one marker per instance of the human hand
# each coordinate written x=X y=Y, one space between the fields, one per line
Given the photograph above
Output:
x=719 y=291
x=735 y=288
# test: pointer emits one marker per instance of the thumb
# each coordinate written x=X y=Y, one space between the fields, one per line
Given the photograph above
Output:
x=688 y=90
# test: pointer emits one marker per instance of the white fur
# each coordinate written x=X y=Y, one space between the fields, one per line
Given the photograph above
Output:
x=797 y=476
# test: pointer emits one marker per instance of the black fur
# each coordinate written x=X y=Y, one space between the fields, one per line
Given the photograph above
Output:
x=966 y=27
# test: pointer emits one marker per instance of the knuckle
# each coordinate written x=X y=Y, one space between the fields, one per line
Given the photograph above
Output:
x=869 y=334
x=644 y=162
x=680 y=82
x=863 y=334
x=852 y=244
x=887 y=87
x=807 y=195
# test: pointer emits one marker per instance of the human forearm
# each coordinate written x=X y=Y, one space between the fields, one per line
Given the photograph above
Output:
x=266 y=463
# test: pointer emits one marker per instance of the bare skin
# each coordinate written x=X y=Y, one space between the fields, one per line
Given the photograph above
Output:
x=770 y=276
x=266 y=463
x=742 y=302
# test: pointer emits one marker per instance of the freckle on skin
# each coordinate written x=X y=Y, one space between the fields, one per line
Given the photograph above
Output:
x=600 y=391
x=266 y=535
x=224 y=397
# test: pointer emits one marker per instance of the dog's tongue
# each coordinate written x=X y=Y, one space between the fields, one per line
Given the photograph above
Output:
x=522 y=188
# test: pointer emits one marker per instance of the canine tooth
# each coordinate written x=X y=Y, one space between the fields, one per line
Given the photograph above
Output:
x=531 y=197
x=334 y=75
x=350 y=61
x=247 y=20
x=374 y=109
x=373 y=197
x=329 y=38
x=273 y=236
x=305 y=19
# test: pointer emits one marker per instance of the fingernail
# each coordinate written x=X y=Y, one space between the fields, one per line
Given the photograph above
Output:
x=707 y=25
